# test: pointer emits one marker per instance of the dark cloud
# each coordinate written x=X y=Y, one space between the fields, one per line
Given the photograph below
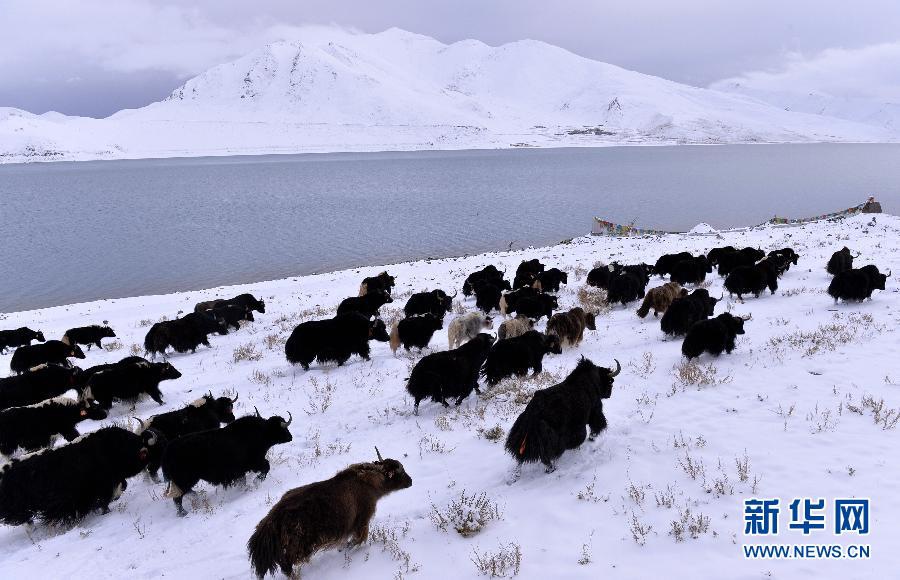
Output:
x=95 y=57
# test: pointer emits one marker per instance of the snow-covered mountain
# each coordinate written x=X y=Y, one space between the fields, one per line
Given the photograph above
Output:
x=334 y=90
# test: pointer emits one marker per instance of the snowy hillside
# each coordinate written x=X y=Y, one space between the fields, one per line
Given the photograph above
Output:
x=332 y=90
x=805 y=407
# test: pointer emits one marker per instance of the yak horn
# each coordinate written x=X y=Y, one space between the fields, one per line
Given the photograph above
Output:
x=141 y=423
x=858 y=254
x=748 y=317
x=257 y=411
x=378 y=453
x=617 y=371
x=289 y=421
x=236 y=395
x=454 y=294
x=889 y=274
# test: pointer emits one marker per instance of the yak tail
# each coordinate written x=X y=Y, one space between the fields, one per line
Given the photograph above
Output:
x=395 y=336
x=644 y=310
x=531 y=439
x=264 y=546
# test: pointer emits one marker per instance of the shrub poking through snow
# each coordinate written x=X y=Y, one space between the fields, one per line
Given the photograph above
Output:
x=466 y=514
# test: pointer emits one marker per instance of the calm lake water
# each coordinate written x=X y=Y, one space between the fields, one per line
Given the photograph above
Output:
x=73 y=232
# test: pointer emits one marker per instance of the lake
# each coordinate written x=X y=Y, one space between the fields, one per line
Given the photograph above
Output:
x=82 y=231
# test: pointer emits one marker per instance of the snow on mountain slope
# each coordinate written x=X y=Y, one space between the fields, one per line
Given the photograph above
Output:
x=333 y=90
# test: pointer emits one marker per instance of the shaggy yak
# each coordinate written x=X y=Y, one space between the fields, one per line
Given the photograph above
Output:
x=435 y=302
x=183 y=334
x=487 y=275
x=466 y=327
x=713 y=336
x=222 y=456
x=857 y=285
x=383 y=282
x=535 y=307
x=40 y=383
x=367 y=305
x=626 y=287
x=715 y=254
x=89 y=335
x=691 y=270
x=666 y=262
x=599 y=276
x=728 y=261
x=556 y=418
x=415 y=331
x=510 y=300
x=449 y=374
x=334 y=339
x=321 y=515
x=551 y=279
x=18 y=337
x=514 y=356
x=246 y=301
x=63 y=485
x=487 y=297
x=515 y=327
x=527 y=273
x=788 y=253
x=129 y=383
x=37 y=426
x=840 y=261
x=684 y=312
x=752 y=280
x=660 y=298
x=52 y=351
x=569 y=326
x=232 y=315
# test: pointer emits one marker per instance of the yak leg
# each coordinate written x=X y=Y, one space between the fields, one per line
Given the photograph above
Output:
x=262 y=468
x=551 y=466
x=155 y=394
x=596 y=422
x=179 y=506
x=538 y=368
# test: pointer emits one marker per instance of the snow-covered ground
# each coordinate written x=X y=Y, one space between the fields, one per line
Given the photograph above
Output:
x=334 y=90
x=796 y=402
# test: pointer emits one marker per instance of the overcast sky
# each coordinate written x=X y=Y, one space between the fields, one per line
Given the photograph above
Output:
x=93 y=57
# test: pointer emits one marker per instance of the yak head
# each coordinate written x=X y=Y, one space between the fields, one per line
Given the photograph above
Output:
x=254 y=304
x=395 y=477
x=277 y=428
x=482 y=343
x=600 y=378
x=590 y=321
x=223 y=407
x=76 y=351
x=39 y=336
x=552 y=344
x=387 y=279
x=735 y=323
x=704 y=262
x=107 y=332
x=167 y=371
x=445 y=301
x=153 y=443
x=378 y=331
x=91 y=409
x=382 y=297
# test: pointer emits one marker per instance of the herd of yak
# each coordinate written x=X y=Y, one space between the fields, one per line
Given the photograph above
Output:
x=64 y=484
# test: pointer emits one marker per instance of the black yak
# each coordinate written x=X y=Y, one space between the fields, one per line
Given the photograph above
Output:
x=247 y=301
x=551 y=279
x=129 y=383
x=557 y=418
x=487 y=297
x=222 y=456
x=85 y=375
x=383 y=282
x=788 y=253
x=691 y=270
x=752 y=280
x=487 y=275
x=334 y=339
x=840 y=261
x=415 y=331
x=89 y=335
x=626 y=287
x=599 y=277
x=684 y=312
x=435 y=302
x=52 y=351
x=713 y=336
x=449 y=374
x=368 y=305
x=18 y=337
x=856 y=285
x=660 y=298
x=63 y=485
x=321 y=515
x=728 y=261
x=205 y=413
x=716 y=253
x=466 y=327
x=514 y=356
x=527 y=273
x=183 y=334
x=233 y=315
x=535 y=307
x=666 y=262
x=570 y=326
x=40 y=383
x=514 y=327
x=36 y=426
x=510 y=300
